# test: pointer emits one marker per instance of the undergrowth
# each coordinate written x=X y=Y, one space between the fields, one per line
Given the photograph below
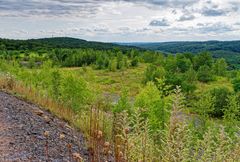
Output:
x=154 y=128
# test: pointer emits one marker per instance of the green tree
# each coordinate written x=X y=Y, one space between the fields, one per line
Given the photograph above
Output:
x=190 y=75
x=75 y=92
x=100 y=62
x=112 y=65
x=171 y=64
x=2 y=47
x=125 y=62
x=152 y=106
x=120 y=63
x=183 y=64
x=220 y=67
x=202 y=59
x=204 y=74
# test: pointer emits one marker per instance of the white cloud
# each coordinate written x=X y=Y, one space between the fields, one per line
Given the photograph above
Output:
x=121 y=20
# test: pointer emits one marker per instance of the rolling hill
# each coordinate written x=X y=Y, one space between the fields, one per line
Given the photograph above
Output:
x=57 y=42
x=230 y=50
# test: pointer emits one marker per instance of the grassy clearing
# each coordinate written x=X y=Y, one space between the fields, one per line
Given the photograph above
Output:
x=218 y=82
x=112 y=82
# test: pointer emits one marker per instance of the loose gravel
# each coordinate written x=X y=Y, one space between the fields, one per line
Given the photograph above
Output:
x=22 y=127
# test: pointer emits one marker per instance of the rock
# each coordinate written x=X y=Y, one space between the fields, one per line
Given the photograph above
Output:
x=47 y=119
x=39 y=112
x=77 y=157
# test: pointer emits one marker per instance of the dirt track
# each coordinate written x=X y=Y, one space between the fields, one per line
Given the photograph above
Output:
x=22 y=127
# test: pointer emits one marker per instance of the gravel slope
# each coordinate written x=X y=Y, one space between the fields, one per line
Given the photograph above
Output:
x=22 y=126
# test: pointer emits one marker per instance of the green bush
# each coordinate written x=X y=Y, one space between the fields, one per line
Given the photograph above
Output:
x=153 y=72
x=123 y=103
x=204 y=74
x=134 y=62
x=205 y=104
x=202 y=59
x=190 y=75
x=112 y=65
x=152 y=106
x=55 y=84
x=236 y=84
x=221 y=100
x=232 y=109
x=75 y=92
x=220 y=67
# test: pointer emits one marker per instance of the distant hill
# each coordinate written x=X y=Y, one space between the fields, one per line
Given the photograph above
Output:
x=56 y=42
x=192 y=47
x=230 y=50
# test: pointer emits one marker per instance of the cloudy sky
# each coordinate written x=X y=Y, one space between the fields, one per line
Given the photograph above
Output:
x=121 y=20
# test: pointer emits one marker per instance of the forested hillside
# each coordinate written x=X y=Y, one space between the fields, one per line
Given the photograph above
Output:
x=230 y=50
x=192 y=47
x=55 y=42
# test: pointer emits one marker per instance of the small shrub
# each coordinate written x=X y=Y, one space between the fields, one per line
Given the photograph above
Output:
x=75 y=92
x=153 y=72
x=221 y=101
x=135 y=62
x=55 y=85
x=236 y=84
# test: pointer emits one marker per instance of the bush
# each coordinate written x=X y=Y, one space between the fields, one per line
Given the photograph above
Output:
x=232 y=110
x=75 y=92
x=153 y=72
x=123 y=103
x=236 y=84
x=188 y=87
x=221 y=101
x=134 y=62
x=204 y=74
x=112 y=65
x=191 y=75
x=205 y=104
x=220 y=67
x=55 y=84
x=183 y=64
x=152 y=107
x=202 y=59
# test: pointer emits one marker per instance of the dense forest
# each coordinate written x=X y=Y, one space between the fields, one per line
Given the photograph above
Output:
x=229 y=50
x=56 y=42
x=132 y=104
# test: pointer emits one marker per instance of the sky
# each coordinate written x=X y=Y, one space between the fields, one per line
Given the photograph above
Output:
x=121 y=20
